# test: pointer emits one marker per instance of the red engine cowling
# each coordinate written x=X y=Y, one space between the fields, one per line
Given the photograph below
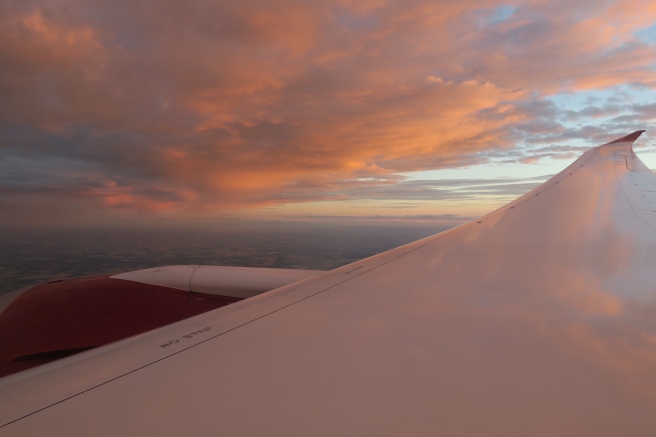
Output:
x=60 y=318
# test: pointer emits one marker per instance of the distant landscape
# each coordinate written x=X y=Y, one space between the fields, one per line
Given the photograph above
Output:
x=29 y=257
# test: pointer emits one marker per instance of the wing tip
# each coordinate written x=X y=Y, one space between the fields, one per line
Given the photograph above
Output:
x=628 y=138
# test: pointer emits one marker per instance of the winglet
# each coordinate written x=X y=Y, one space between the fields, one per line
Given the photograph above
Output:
x=629 y=138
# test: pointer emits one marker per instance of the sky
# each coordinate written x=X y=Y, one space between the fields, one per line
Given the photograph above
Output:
x=148 y=112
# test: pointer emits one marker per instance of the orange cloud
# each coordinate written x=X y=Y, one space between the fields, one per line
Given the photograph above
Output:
x=227 y=105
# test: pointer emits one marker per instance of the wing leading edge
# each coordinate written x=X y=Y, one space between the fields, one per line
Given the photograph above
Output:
x=537 y=319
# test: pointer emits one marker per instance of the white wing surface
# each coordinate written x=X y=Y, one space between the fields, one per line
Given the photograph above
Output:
x=538 y=319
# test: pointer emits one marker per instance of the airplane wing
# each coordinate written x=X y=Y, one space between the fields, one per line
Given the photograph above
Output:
x=538 y=319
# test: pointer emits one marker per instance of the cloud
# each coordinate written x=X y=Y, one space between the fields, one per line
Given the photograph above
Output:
x=452 y=219
x=442 y=189
x=216 y=105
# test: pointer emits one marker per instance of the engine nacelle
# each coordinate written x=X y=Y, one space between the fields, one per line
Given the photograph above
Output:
x=237 y=282
x=60 y=318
